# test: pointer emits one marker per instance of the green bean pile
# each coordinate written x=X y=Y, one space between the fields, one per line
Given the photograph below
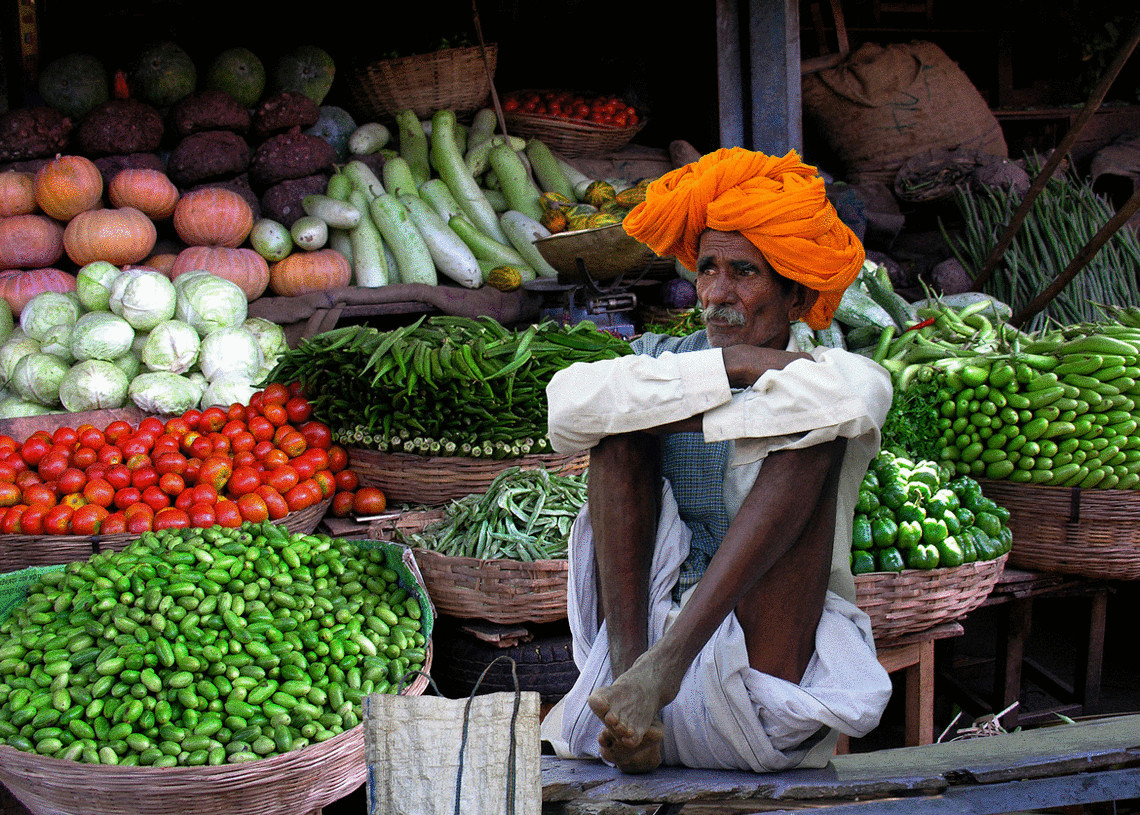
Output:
x=1062 y=220
x=524 y=515
x=443 y=385
x=681 y=325
x=204 y=646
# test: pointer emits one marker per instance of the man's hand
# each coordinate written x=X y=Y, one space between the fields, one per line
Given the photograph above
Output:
x=744 y=364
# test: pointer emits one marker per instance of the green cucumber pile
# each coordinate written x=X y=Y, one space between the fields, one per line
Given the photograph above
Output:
x=1060 y=412
x=524 y=515
x=205 y=647
x=443 y=386
x=913 y=515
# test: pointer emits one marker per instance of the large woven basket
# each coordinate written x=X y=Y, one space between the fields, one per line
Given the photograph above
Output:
x=21 y=551
x=406 y=478
x=1090 y=533
x=917 y=599
x=501 y=591
x=571 y=138
x=452 y=78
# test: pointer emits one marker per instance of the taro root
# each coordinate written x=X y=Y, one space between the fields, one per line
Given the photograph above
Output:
x=33 y=133
x=289 y=155
x=120 y=126
x=208 y=156
x=208 y=110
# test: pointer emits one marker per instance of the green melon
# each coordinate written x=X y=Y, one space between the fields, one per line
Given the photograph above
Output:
x=334 y=125
x=306 y=69
x=74 y=84
x=162 y=73
x=240 y=73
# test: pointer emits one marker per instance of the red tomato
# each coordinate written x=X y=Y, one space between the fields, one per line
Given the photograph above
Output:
x=99 y=491
x=256 y=402
x=144 y=477
x=114 y=524
x=40 y=495
x=84 y=457
x=220 y=443
x=275 y=458
x=9 y=495
x=204 y=494
x=8 y=471
x=326 y=481
x=202 y=515
x=243 y=480
x=275 y=413
x=171 y=518
x=346 y=480
x=16 y=461
x=318 y=456
x=118 y=476
x=110 y=455
x=303 y=466
x=57 y=521
x=213 y=419
x=96 y=470
x=138 y=461
x=242 y=442
x=317 y=434
x=245 y=459
x=177 y=426
x=165 y=444
x=274 y=501
x=192 y=418
x=26 y=478
x=282 y=478
x=139 y=508
x=227 y=514
x=10 y=525
x=137 y=524
x=185 y=499
x=369 y=501
x=7 y=443
x=338 y=458
x=202 y=447
x=261 y=428
x=127 y=496
x=193 y=467
x=342 y=504
x=302 y=496
x=262 y=449
x=34 y=449
x=171 y=483
x=66 y=436
x=236 y=412
x=155 y=498
x=32 y=521
x=170 y=463
x=136 y=445
x=72 y=480
x=92 y=437
x=215 y=471
x=293 y=443
x=88 y=519
x=53 y=464
x=253 y=508
x=275 y=393
x=232 y=428
x=298 y=409
x=151 y=425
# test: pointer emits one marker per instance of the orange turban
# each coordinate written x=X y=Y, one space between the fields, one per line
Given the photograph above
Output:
x=779 y=204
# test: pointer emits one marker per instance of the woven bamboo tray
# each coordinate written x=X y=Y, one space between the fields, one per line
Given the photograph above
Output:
x=1091 y=533
x=21 y=551
x=452 y=78
x=406 y=478
x=507 y=592
x=917 y=599
x=571 y=138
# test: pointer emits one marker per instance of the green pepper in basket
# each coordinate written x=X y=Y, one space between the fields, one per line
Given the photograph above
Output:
x=966 y=544
x=989 y=523
x=862 y=562
x=910 y=512
x=986 y=547
x=934 y=530
x=889 y=560
x=949 y=552
x=922 y=556
x=909 y=535
x=884 y=532
x=950 y=518
x=861 y=533
x=868 y=502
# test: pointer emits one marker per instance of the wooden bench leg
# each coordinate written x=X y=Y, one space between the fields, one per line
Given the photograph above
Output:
x=1090 y=662
x=920 y=697
x=1013 y=631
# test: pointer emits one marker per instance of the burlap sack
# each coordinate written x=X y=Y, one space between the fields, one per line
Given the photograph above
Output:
x=884 y=104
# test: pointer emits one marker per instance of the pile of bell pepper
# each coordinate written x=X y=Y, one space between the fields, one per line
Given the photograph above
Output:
x=919 y=515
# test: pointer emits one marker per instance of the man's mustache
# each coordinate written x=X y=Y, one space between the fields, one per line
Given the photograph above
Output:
x=722 y=313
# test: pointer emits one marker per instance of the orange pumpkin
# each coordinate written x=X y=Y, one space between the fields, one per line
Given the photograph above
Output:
x=213 y=216
x=161 y=262
x=149 y=191
x=67 y=186
x=118 y=236
x=18 y=286
x=306 y=272
x=30 y=241
x=17 y=193
x=244 y=267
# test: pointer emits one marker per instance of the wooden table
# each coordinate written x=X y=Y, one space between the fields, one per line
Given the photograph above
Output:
x=1086 y=762
x=1014 y=596
x=914 y=654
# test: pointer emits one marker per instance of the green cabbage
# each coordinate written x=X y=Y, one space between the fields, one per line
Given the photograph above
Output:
x=209 y=302
x=93 y=285
x=171 y=346
x=14 y=348
x=37 y=376
x=144 y=298
x=45 y=311
x=101 y=335
x=164 y=392
x=227 y=389
x=230 y=352
x=271 y=339
x=93 y=384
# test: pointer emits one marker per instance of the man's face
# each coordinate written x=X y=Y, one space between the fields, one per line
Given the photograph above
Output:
x=744 y=300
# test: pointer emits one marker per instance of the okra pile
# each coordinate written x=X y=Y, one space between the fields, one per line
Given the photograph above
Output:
x=442 y=386
x=1061 y=412
x=205 y=647
x=914 y=515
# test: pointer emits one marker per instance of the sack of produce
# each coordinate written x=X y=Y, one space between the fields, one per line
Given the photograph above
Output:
x=884 y=104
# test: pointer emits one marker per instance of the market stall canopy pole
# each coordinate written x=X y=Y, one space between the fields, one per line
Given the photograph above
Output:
x=1056 y=157
x=1080 y=260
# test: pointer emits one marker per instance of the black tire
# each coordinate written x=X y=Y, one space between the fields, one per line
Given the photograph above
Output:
x=545 y=665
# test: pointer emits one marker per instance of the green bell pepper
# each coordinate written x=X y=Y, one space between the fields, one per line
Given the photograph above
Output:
x=889 y=559
x=862 y=562
x=989 y=523
x=861 y=532
x=966 y=544
x=910 y=512
x=884 y=532
x=949 y=552
x=953 y=525
x=922 y=556
x=934 y=530
x=909 y=535
x=868 y=502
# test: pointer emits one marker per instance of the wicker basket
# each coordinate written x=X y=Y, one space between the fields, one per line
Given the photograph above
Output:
x=1091 y=533
x=501 y=591
x=21 y=551
x=406 y=478
x=452 y=78
x=571 y=138
x=917 y=599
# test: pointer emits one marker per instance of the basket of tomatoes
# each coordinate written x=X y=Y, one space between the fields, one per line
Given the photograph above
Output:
x=75 y=491
x=573 y=124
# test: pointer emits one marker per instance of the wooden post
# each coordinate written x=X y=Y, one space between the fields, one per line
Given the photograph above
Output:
x=730 y=95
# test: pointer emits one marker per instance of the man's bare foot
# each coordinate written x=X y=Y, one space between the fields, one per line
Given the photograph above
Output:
x=632 y=704
x=643 y=758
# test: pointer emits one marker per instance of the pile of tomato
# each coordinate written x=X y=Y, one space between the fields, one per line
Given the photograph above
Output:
x=611 y=111
x=252 y=462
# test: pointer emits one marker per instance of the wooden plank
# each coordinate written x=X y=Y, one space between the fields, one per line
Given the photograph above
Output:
x=729 y=69
x=919 y=719
x=774 y=70
x=908 y=771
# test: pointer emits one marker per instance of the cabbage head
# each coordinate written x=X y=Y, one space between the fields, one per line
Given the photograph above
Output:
x=37 y=377
x=164 y=392
x=46 y=310
x=13 y=407
x=143 y=297
x=129 y=363
x=14 y=348
x=93 y=384
x=93 y=285
x=271 y=338
x=227 y=389
x=57 y=342
x=230 y=352
x=209 y=302
x=171 y=346
x=101 y=335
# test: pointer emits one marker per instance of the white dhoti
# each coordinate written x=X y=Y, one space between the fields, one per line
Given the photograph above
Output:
x=727 y=715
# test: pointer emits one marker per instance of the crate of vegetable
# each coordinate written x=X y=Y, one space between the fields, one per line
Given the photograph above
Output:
x=499 y=555
x=925 y=549
x=222 y=668
x=433 y=411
